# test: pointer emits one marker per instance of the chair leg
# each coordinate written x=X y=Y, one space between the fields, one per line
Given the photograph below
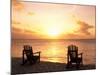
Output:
x=39 y=59
x=77 y=65
x=82 y=62
x=68 y=65
x=24 y=61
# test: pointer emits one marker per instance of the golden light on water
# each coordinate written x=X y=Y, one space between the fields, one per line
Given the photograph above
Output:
x=55 y=60
x=52 y=52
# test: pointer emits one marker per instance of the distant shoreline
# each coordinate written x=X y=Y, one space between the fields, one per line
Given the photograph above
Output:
x=54 y=39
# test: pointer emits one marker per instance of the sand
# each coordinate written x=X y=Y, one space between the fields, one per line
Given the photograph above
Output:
x=43 y=66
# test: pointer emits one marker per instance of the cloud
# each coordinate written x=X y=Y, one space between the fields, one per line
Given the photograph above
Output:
x=29 y=31
x=25 y=31
x=83 y=31
x=31 y=13
x=15 y=29
x=84 y=27
x=18 y=33
x=17 y=5
x=72 y=36
x=15 y=22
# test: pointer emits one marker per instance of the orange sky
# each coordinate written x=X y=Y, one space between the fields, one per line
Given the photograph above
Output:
x=31 y=20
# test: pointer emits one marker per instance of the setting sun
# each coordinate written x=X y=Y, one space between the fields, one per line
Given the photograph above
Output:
x=53 y=32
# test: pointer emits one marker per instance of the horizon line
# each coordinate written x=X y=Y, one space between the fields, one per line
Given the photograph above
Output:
x=56 y=39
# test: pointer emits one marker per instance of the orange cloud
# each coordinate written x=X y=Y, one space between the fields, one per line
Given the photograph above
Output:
x=31 y=13
x=84 y=27
x=16 y=29
x=18 y=33
x=15 y=22
x=17 y=5
x=24 y=31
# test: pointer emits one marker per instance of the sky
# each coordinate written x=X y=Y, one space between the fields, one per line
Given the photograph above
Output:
x=38 y=20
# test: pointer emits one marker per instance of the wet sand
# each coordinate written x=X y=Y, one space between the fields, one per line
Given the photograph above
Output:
x=43 y=66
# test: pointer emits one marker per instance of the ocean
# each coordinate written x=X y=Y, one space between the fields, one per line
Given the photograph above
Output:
x=56 y=50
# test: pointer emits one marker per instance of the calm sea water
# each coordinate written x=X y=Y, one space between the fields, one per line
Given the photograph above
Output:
x=56 y=50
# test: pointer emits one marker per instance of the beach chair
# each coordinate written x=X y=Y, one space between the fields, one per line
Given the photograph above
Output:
x=29 y=56
x=73 y=57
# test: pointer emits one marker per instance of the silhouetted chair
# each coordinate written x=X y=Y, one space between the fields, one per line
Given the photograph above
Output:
x=29 y=56
x=73 y=57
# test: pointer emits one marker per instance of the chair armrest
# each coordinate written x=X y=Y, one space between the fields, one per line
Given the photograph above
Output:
x=80 y=54
x=37 y=53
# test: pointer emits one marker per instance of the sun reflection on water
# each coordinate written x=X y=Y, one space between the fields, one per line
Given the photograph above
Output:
x=54 y=53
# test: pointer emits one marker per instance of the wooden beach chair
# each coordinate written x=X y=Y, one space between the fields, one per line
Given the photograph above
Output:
x=29 y=56
x=73 y=57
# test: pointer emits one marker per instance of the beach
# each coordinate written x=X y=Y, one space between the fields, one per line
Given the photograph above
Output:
x=43 y=66
x=53 y=57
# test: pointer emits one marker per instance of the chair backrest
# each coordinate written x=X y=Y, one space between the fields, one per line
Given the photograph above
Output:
x=73 y=51
x=28 y=50
x=27 y=47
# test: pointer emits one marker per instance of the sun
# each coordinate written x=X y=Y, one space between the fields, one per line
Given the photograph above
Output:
x=53 y=32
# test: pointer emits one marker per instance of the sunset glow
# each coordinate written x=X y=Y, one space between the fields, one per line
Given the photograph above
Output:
x=53 y=32
x=52 y=21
